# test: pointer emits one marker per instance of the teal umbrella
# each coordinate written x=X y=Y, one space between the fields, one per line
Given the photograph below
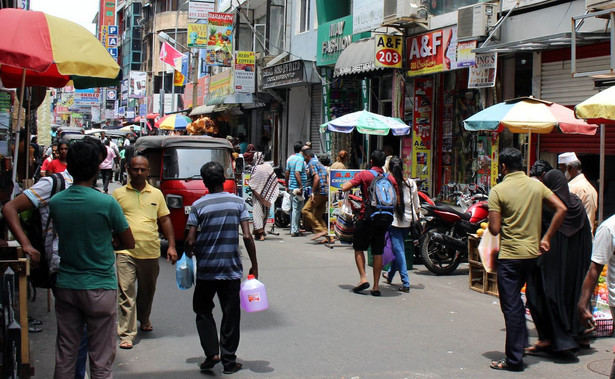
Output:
x=366 y=123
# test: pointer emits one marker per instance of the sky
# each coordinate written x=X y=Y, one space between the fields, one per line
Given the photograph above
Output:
x=79 y=11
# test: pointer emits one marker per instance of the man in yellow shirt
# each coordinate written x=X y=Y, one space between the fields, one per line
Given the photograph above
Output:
x=515 y=212
x=144 y=207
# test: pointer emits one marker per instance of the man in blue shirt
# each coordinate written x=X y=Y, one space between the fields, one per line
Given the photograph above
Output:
x=316 y=204
x=217 y=216
x=296 y=178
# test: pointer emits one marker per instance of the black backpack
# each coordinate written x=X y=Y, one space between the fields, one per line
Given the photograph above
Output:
x=31 y=223
x=381 y=200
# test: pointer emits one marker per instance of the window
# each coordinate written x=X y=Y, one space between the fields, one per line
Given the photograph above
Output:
x=304 y=15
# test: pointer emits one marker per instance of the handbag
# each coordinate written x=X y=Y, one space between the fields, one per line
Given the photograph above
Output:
x=488 y=249
x=345 y=224
x=387 y=253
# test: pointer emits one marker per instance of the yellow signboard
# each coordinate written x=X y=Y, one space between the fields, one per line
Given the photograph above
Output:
x=245 y=57
x=388 y=51
x=197 y=35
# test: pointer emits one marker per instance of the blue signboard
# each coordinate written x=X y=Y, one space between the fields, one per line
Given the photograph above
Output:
x=112 y=30
x=142 y=110
x=112 y=51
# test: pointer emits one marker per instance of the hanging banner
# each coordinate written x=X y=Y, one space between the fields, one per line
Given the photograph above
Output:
x=432 y=52
x=482 y=74
x=137 y=84
x=465 y=56
x=421 y=133
x=197 y=35
x=220 y=39
x=388 y=51
x=244 y=72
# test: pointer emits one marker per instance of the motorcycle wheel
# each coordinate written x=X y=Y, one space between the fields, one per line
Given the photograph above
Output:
x=436 y=257
x=282 y=220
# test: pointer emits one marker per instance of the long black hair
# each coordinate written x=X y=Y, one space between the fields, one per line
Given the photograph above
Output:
x=396 y=168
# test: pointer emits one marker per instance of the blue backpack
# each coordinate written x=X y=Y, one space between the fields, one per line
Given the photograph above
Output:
x=381 y=200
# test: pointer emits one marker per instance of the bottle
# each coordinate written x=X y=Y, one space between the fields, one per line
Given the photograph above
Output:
x=252 y=296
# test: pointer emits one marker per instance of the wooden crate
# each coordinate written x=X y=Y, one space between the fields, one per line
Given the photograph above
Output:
x=491 y=284
x=473 y=256
x=477 y=278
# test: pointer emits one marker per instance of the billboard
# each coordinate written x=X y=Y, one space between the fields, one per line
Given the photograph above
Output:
x=244 y=72
x=220 y=39
x=137 y=84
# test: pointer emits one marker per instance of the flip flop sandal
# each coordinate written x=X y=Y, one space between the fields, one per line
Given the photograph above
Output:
x=502 y=365
x=360 y=287
x=147 y=327
x=126 y=345
x=536 y=349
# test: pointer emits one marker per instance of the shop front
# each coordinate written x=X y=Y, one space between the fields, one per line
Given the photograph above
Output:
x=445 y=84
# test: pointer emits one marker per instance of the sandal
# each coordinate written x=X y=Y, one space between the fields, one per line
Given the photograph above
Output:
x=147 y=327
x=536 y=349
x=502 y=365
x=386 y=277
x=126 y=345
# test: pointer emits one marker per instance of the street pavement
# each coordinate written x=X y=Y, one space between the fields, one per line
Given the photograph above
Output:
x=316 y=327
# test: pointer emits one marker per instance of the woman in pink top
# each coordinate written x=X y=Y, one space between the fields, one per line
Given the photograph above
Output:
x=106 y=167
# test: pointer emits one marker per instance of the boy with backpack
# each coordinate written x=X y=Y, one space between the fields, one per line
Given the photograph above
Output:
x=379 y=192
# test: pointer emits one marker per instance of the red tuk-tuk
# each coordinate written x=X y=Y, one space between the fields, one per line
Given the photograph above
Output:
x=175 y=164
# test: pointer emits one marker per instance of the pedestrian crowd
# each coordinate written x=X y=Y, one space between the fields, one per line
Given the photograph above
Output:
x=102 y=252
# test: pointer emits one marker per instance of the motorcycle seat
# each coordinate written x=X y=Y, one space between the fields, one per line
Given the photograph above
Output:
x=446 y=208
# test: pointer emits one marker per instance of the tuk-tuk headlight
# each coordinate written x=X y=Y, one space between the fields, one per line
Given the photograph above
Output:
x=174 y=201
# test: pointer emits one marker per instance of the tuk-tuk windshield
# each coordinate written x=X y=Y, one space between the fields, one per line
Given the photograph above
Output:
x=186 y=163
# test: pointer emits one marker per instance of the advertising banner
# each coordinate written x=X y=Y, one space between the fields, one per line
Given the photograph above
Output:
x=465 y=56
x=197 y=35
x=388 y=51
x=86 y=98
x=432 y=52
x=136 y=86
x=336 y=179
x=482 y=74
x=220 y=39
x=366 y=15
x=245 y=62
x=199 y=9
x=421 y=133
x=220 y=84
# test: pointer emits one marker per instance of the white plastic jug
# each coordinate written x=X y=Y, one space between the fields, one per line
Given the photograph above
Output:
x=252 y=296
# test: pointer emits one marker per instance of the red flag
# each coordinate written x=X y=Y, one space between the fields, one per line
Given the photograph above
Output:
x=170 y=56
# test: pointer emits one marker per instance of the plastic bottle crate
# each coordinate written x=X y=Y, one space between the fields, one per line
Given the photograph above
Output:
x=604 y=327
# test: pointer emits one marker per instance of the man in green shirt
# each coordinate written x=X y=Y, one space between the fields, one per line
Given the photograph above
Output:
x=89 y=225
x=515 y=212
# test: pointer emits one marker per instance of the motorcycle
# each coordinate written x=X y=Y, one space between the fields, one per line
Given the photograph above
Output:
x=444 y=243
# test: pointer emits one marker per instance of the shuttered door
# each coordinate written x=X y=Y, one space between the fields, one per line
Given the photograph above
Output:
x=560 y=143
x=558 y=85
x=315 y=118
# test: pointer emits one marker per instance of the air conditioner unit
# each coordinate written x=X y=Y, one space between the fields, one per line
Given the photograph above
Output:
x=474 y=21
x=599 y=4
x=398 y=10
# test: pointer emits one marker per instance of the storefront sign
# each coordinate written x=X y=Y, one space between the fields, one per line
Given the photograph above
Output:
x=364 y=93
x=106 y=16
x=86 y=98
x=220 y=40
x=199 y=9
x=197 y=35
x=432 y=52
x=244 y=72
x=336 y=179
x=220 y=84
x=283 y=74
x=421 y=133
x=482 y=74
x=465 y=56
x=388 y=51
x=495 y=158
x=137 y=84
x=333 y=38
x=187 y=96
x=202 y=90
x=367 y=15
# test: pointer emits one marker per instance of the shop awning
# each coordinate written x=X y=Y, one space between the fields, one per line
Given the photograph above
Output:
x=236 y=98
x=358 y=57
x=553 y=41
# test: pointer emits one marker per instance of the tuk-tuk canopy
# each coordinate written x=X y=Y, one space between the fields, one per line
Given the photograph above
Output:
x=158 y=142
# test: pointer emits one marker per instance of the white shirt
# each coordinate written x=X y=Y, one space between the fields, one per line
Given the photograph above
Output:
x=412 y=207
x=602 y=253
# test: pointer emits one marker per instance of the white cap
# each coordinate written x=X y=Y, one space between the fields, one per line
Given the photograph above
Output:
x=565 y=158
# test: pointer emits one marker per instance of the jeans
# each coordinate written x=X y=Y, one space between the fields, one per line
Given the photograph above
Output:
x=295 y=216
x=82 y=356
x=398 y=238
x=106 y=177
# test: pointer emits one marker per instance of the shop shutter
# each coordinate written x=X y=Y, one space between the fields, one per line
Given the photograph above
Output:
x=558 y=85
x=560 y=143
x=315 y=118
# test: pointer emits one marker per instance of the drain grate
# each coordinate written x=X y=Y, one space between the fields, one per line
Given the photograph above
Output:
x=602 y=366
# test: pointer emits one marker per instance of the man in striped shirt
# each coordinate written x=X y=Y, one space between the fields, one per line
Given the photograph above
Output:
x=214 y=238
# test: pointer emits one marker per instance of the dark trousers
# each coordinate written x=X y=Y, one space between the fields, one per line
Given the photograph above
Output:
x=203 y=304
x=106 y=173
x=512 y=275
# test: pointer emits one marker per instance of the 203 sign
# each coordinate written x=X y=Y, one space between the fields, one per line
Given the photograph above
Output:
x=388 y=57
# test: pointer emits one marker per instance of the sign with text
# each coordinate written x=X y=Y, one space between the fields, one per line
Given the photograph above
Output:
x=199 y=9
x=220 y=84
x=197 y=35
x=366 y=15
x=136 y=86
x=421 y=130
x=432 y=52
x=283 y=74
x=388 y=51
x=220 y=39
x=465 y=56
x=482 y=74
x=245 y=62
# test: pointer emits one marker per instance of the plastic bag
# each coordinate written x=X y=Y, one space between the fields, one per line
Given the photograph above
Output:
x=286 y=203
x=184 y=272
x=488 y=249
x=387 y=255
x=345 y=223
